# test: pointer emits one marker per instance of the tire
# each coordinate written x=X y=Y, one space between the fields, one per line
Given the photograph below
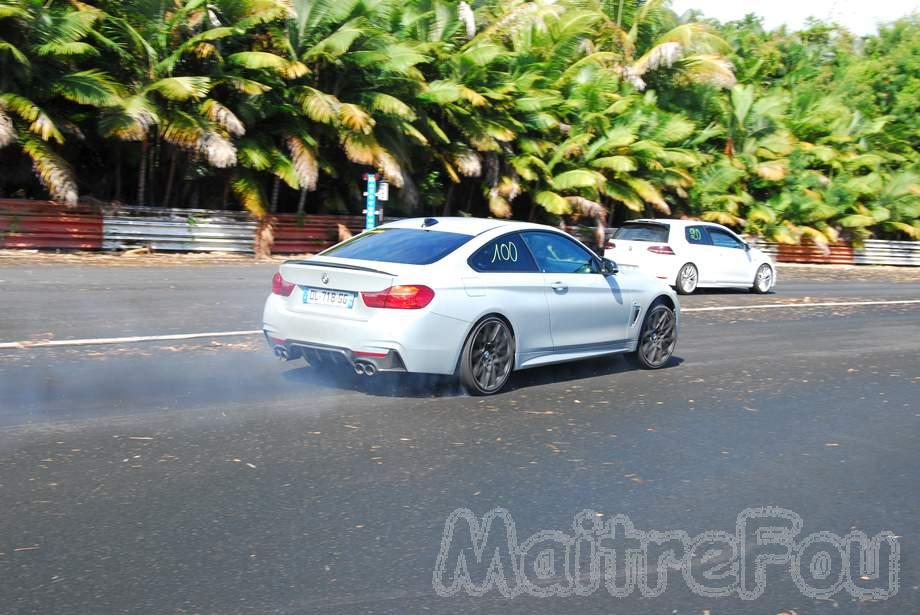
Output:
x=763 y=280
x=688 y=278
x=487 y=359
x=657 y=339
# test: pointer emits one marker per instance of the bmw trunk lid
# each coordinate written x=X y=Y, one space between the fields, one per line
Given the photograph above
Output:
x=332 y=287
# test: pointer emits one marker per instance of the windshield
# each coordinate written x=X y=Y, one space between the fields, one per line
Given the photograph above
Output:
x=408 y=246
x=657 y=233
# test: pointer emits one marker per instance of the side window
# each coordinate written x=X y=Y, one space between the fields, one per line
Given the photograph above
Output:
x=556 y=253
x=721 y=239
x=507 y=253
x=698 y=235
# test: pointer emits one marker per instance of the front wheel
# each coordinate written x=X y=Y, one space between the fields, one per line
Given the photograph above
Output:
x=658 y=337
x=488 y=357
x=687 y=279
x=763 y=281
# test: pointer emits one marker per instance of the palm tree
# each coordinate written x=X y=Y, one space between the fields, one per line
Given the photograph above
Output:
x=47 y=44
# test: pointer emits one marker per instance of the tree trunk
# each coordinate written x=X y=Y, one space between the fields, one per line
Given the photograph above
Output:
x=276 y=187
x=152 y=174
x=170 y=178
x=448 y=202
x=264 y=238
x=223 y=203
x=118 y=185
x=142 y=173
x=302 y=203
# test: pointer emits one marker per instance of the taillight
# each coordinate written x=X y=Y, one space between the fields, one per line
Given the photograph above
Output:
x=661 y=250
x=410 y=297
x=610 y=245
x=280 y=286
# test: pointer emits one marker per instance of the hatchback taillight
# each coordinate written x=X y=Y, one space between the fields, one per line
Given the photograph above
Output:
x=408 y=297
x=282 y=287
x=610 y=245
x=661 y=250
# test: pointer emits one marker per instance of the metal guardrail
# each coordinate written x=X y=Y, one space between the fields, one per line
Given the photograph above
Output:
x=202 y=230
x=179 y=230
x=877 y=252
x=29 y=224
x=45 y=225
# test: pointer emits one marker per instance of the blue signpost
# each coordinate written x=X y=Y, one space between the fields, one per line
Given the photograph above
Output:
x=370 y=213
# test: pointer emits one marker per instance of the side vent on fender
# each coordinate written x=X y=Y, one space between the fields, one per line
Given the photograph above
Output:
x=635 y=314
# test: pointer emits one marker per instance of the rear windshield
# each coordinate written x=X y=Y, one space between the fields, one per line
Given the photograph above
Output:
x=409 y=246
x=657 y=233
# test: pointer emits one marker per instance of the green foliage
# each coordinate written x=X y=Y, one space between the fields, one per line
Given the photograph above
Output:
x=598 y=109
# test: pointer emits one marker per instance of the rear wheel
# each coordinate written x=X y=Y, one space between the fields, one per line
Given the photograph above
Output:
x=488 y=357
x=763 y=280
x=658 y=337
x=687 y=279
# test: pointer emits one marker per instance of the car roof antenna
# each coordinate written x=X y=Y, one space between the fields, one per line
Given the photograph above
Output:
x=429 y=222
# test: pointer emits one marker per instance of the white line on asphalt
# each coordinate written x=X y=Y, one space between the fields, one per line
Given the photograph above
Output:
x=191 y=336
x=124 y=340
x=768 y=306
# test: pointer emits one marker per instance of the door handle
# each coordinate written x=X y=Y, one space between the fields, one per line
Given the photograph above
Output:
x=559 y=287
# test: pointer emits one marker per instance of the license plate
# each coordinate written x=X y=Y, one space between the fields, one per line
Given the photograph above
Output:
x=335 y=298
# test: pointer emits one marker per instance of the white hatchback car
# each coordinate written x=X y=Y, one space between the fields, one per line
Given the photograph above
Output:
x=474 y=297
x=689 y=254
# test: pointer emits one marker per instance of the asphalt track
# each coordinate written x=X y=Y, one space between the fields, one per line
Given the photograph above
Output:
x=202 y=476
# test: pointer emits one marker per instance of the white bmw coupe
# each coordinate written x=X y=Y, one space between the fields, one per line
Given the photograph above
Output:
x=476 y=298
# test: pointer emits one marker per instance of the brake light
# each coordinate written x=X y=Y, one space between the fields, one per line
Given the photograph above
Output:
x=661 y=250
x=280 y=286
x=410 y=297
x=610 y=245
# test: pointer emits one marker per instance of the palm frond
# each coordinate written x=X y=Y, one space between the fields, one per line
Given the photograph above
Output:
x=223 y=117
x=181 y=88
x=10 y=50
x=619 y=164
x=89 y=87
x=7 y=129
x=649 y=193
x=356 y=119
x=320 y=107
x=360 y=148
x=52 y=170
x=217 y=149
x=247 y=189
x=577 y=178
x=552 y=202
x=304 y=162
x=385 y=103
x=130 y=120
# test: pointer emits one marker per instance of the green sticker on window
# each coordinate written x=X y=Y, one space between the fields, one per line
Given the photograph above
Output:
x=695 y=234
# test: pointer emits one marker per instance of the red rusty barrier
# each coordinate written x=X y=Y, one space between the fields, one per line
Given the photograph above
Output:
x=30 y=224
x=836 y=254
x=311 y=233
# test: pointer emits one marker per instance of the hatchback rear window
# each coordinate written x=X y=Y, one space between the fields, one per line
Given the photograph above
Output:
x=408 y=246
x=656 y=233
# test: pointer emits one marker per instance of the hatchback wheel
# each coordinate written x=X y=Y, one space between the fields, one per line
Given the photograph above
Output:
x=687 y=279
x=658 y=337
x=488 y=357
x=763 y=281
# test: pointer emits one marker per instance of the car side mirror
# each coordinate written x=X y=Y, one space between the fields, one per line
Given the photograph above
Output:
x=608 y=267
x=747 y=247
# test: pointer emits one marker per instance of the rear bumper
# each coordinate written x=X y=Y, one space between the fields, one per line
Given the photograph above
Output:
x=660 y=266
x=320 y=354
x=417 y=341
